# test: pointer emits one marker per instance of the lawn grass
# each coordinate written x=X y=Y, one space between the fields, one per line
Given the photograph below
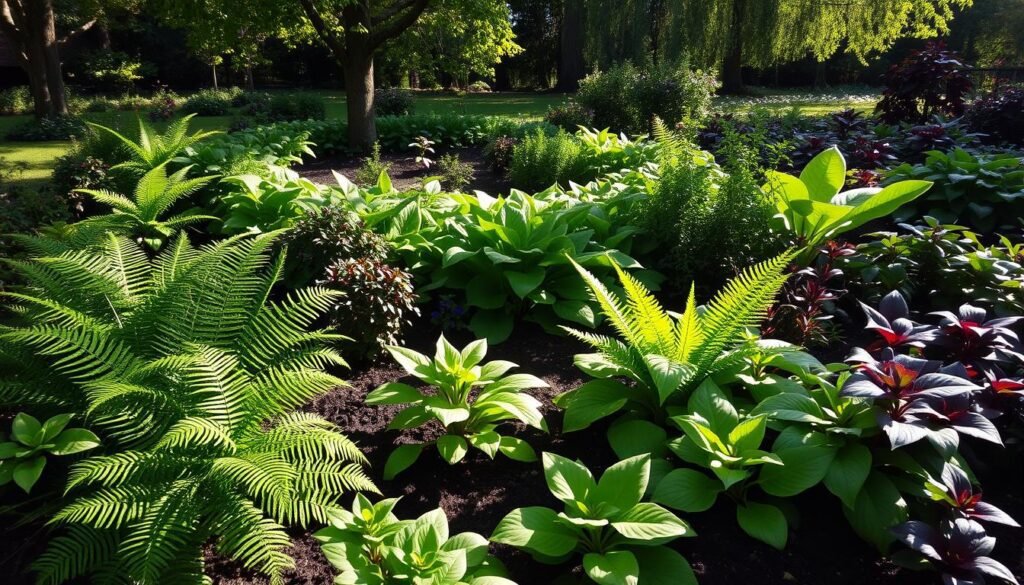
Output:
x=40 y=156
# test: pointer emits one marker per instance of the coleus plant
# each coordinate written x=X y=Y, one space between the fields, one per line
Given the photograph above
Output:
x=919 y=399
x=472 y=399
x=970 y=337
x=23 y=458
x=811 y=208
x=956 y=490
x=959 y=549
x=891 y=321
x=371 y=546
x=619 y=535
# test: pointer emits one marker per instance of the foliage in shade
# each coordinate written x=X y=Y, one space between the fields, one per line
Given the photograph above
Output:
x=930 y=81
x=371 y=546
x=190 y=376
x=959 y=550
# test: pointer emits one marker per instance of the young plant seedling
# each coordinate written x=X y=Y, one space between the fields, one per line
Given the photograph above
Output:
x=371 y=546
x=23 y=458
x=620 y=536
x=471 y=400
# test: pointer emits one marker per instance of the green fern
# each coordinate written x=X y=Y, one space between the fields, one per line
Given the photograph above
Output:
x=153 y=150
x=191 y=377
x=665 y=356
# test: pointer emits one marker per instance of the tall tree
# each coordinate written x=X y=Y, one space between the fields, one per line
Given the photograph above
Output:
x=31 y=28
x=571 y=64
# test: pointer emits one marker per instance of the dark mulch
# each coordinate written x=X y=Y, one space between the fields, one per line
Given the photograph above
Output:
x=406 y=173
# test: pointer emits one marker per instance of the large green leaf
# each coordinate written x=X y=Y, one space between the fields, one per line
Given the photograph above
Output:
x=884 y=203
x=452 y=448
x=650 y=522
x=688 y=490
x=763 y=522
x=848 y=472
x=612 y=568
x=637 y=437
x=27 y=473
x=825 y=174
x=538 y=530
x=73 y=441
x=568 y=480
x=660 y=565
x=524 y=283
x=494 y=325
x=879 y=507
x=623 y=484
x=802 y=468
x=400 y=459
x=591 y=402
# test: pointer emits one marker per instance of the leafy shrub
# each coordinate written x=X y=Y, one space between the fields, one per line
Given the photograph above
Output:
x=184 y=366
x=251 y=151
x=254 y=203
x=979 y=191
x=541 y=160
x=23 y=458
x=499 y=152
x=999 y=114
x=47 y=129
x=455 y=175
x=333 y=248
x=15 y=101
x=258 y=100
x=570 y=116
x=472 y=399
x=392 y=102
x=619 y=535
x=111 y=71
x=938 y=266
x=372 y=167
x=298 y=106
x=703 y=220
x=163 y=109
x=208 y=102
x=626 y=98
x=958 y=550
x=371 y=545
x=74 y=171
x=478 y=86
x=930 y=81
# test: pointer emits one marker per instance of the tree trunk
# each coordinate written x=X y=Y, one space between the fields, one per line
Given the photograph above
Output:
x=250 y=83
x=571 y=67
x=213 y=68
x=362 y=127
x=51 y=54
x=820 y=75
x=732 y=65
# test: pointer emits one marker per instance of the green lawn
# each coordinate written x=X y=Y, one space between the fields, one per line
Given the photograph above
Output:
x=40 y=156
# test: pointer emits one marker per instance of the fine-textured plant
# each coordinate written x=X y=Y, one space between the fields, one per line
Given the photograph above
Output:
x=153 y=150
x=372 y=167
x=23 y=458
x=455 y=175
x=190 y=377
x=472 y=399
x=371 y=546
x=619 y=535
x=662 y=355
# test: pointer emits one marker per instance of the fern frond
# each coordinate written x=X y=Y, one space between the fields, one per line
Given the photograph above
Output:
x=79 y=551
x=194 y=432
x=611 y=307
x=156 y=539
x=248 y=536
x=652 y=323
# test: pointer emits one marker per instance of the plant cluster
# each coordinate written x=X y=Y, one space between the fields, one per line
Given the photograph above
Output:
x=997 y=114
x=627 y=98
x=47 y=129
x=393 y=102
x=372 y=168
x=980 y=191
x=455 y=175
x=209 y=102
x=472 y=399
x=570 y=116
x=930 y=81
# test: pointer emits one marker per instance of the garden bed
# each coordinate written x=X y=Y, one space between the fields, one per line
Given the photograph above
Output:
x=478 y=492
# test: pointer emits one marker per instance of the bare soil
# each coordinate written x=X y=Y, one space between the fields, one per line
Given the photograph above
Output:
x=406 y=173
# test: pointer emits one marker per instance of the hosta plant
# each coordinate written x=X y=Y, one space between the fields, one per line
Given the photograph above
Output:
x=371 y=546
x=737 y=463
x=959 y=550
x=658 y=357
x=471 y=400
x=190 y=376
x=256 y=204
x=811 y=208
x=619 y=536
x=23 y=457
